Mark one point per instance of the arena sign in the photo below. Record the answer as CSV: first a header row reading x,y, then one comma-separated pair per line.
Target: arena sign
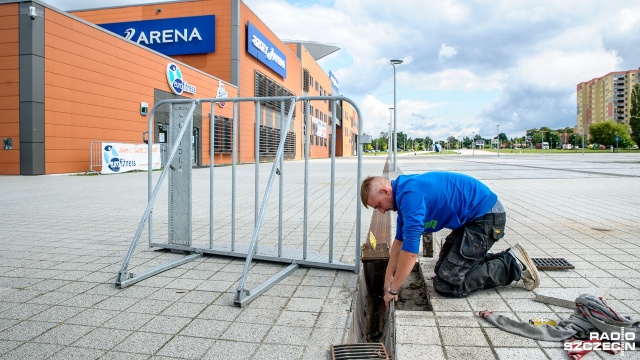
x,y
176,36
262,49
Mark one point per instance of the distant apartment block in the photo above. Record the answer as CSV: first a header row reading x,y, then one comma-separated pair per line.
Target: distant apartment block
x,y
605,98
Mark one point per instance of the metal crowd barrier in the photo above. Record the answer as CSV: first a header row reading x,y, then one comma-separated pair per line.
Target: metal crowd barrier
x,y
95,150
180,214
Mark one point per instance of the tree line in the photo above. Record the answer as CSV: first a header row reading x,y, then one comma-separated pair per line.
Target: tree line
x,y
602,133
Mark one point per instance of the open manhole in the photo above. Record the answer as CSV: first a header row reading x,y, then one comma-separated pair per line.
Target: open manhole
x,y
413,294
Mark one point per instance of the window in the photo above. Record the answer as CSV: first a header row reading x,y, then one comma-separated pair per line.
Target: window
x,y
265,86
223,130
270,139
306,79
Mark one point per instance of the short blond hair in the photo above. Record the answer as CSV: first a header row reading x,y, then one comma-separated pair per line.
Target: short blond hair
x,y
369,186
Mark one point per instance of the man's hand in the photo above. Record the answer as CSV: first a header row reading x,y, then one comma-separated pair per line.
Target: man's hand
x,y
387,299
387,282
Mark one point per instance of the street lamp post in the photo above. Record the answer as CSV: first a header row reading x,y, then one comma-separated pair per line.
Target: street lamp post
x,y
395,129
542,141
473,145
616,140
390,133
498,138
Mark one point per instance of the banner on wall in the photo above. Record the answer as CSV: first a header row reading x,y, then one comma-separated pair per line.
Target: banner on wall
x,y
318,127
121,157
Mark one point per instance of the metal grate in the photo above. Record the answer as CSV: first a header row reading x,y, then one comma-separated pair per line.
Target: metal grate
x,y
552,264
359,351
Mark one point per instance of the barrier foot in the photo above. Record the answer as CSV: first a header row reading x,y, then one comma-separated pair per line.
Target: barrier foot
x,y
243,297
125,279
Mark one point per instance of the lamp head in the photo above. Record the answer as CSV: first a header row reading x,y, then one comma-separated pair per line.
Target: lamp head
x,y
397,62
33,14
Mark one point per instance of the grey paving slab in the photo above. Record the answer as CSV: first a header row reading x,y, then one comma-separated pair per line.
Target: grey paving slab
x,y
186,347
466,352
419,351
32,351
56,278
77,353
566,296
278,352
64,334
557,206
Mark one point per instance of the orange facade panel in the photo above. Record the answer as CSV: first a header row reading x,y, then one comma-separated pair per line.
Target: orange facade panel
x,y
9,89
94,84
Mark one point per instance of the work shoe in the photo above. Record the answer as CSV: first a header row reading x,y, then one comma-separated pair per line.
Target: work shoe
x,y
530,277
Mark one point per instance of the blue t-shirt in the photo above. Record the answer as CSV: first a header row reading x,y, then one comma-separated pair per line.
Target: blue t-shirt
x,y
432,201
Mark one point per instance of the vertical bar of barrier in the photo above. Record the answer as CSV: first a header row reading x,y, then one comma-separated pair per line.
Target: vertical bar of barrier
x,y
257,163
146,217
257,166
233,176
212,125
333,177
150,169
306,176
256,231
281,180
358,181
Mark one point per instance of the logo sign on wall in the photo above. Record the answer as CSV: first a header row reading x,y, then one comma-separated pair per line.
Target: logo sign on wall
x,y
119,157
222,93
262,49
176,82
177,36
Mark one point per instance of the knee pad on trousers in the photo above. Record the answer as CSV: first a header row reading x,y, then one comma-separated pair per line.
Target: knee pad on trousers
x,y
444,288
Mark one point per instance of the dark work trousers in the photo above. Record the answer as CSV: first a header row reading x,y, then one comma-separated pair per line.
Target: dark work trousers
x,y
464,265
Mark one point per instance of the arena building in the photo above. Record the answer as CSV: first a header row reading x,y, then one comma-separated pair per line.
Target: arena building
x,y
75,79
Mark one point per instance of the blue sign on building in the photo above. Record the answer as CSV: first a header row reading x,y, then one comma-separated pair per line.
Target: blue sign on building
x,y
261,48
176,36
335,86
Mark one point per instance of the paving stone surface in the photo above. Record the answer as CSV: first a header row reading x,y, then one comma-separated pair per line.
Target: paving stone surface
x,y
64,238
557,206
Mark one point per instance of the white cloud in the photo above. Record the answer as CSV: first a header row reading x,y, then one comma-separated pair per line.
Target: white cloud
x,y
452,79
556,70
529,54
377,114
446,52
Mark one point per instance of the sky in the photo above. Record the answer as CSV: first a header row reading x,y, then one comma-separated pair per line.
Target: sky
x,y
468,67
